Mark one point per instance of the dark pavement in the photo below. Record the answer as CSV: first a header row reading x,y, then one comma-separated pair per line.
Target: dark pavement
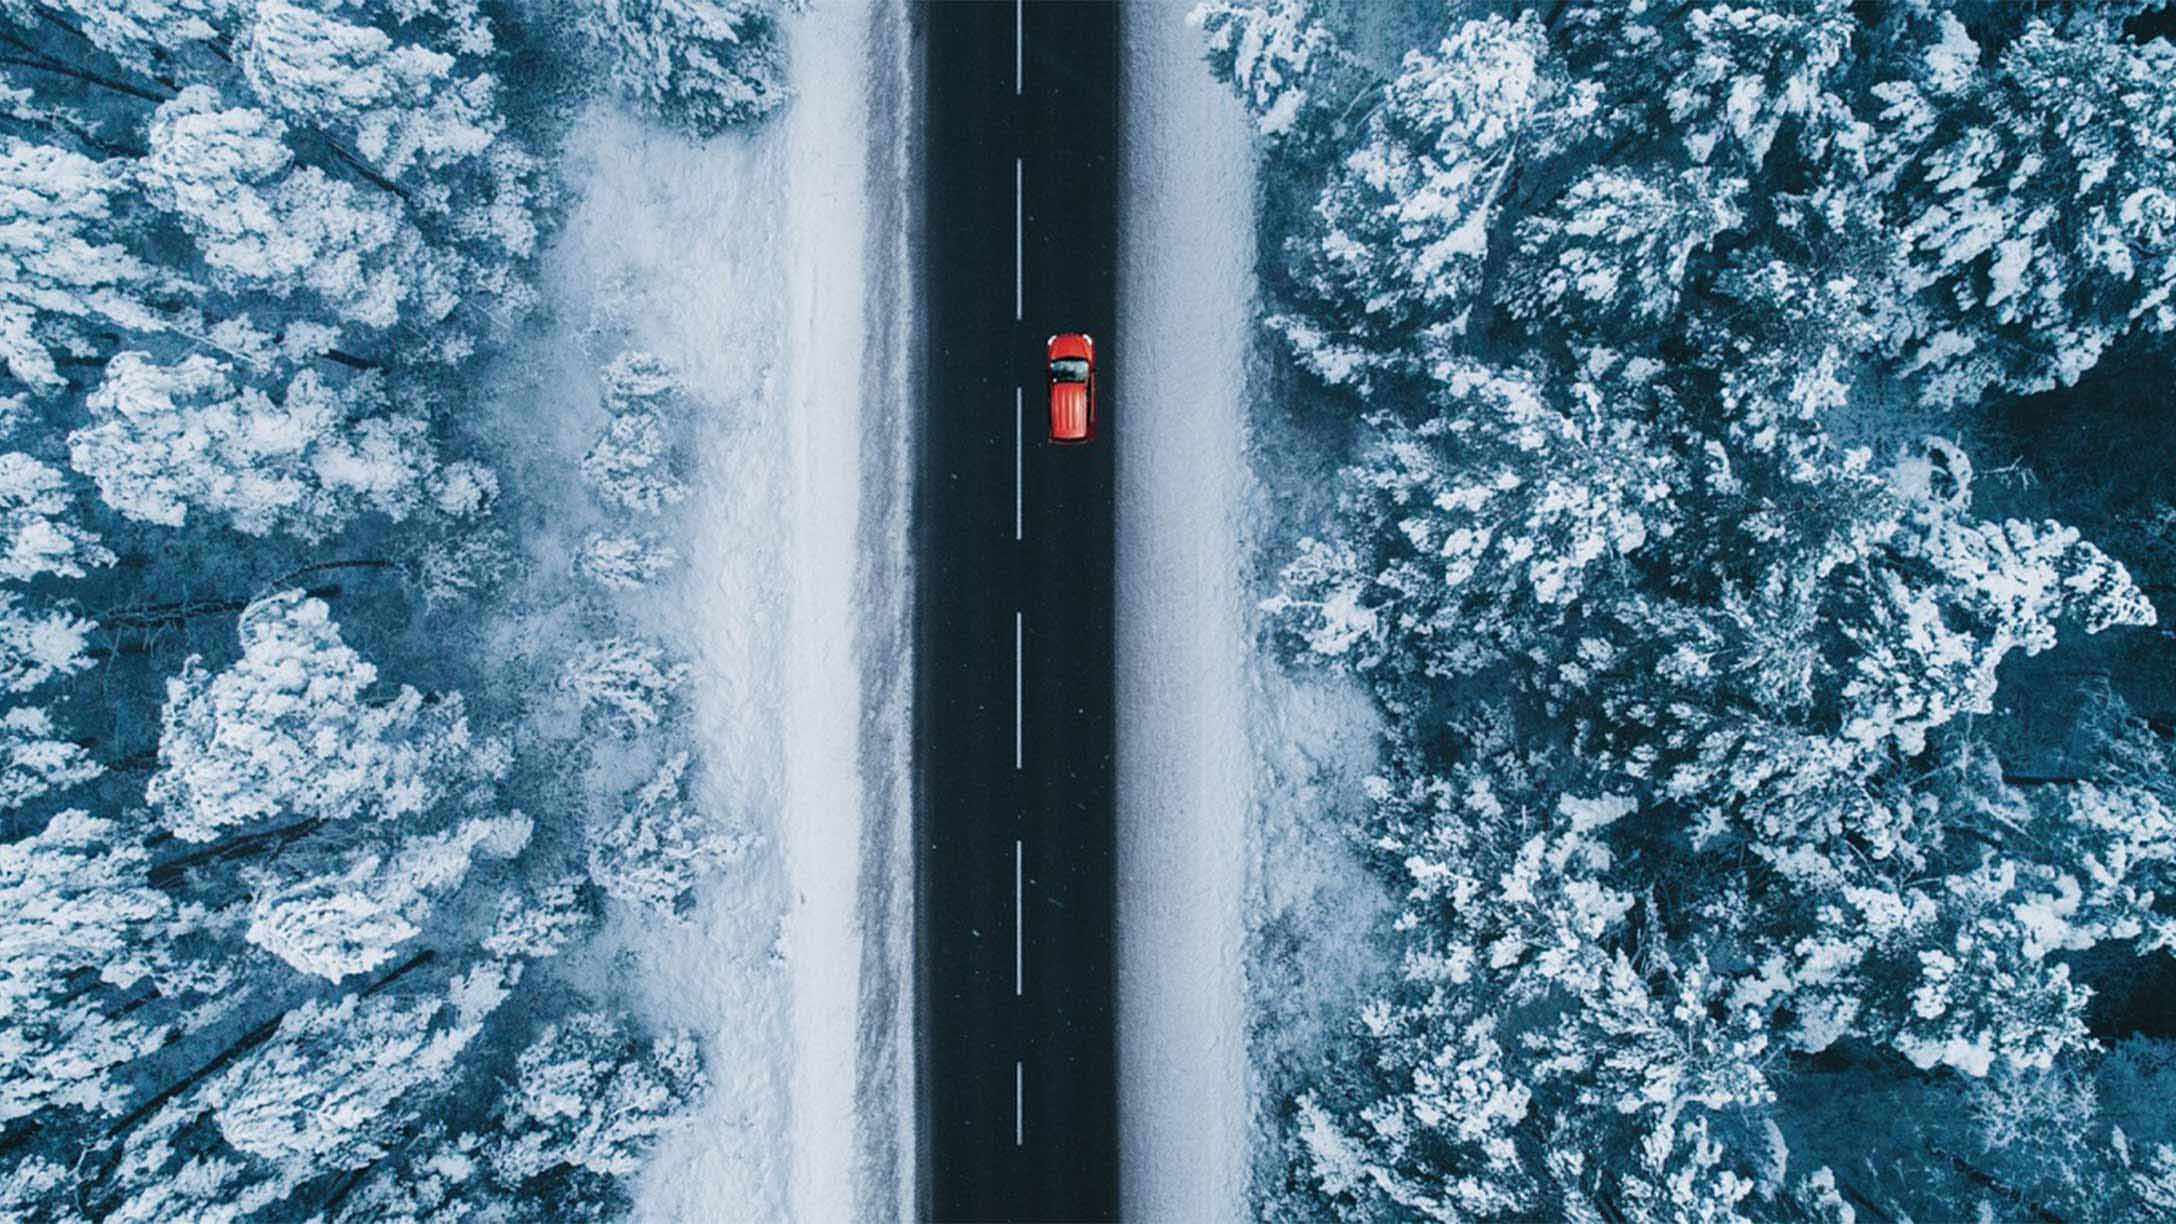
x,y
1014,728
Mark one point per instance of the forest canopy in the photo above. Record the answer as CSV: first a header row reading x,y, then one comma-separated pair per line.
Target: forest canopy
x,y
1683,538
290,847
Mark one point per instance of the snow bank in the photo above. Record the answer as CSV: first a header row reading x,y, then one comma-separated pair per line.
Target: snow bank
x,y
1183,763
749,262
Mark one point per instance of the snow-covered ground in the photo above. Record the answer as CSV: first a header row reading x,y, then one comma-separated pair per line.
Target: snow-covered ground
x,y
753,262
1185,769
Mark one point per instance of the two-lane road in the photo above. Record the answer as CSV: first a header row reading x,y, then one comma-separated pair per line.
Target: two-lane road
x,y
1014,727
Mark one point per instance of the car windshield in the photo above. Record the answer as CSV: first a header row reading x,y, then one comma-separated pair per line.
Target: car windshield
x,y
1069,369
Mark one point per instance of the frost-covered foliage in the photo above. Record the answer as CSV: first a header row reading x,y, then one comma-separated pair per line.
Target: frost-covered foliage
x,y
631,465
701,65
259,908
624,562
82,933
657,846
1402,228
591,1095
626,682
293,731
36,762
170,438
542,922
1284,64
1692,647
35,515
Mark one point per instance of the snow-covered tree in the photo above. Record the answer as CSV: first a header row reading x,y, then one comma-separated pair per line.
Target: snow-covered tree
x,y
37,645
624,562
702,65
631,464
542,921
1402,237
1282,61
38,537
1481,526
640,381
2037,202
293,731
1718,82
342,909
339,1079
590,1094
658,846
264,224
398,105
34,762
1610,257
143,34
632,684
62,274
171,438
462,561
83,941
464,489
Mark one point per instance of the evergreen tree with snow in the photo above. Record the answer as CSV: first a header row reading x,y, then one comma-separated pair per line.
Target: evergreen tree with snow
x,y
89,969
38,645
700,65
656,848
39,523
1281,60
2035,201
624,562
34,761
590,1094
625,682
630,466
168,439
293,731
1395,258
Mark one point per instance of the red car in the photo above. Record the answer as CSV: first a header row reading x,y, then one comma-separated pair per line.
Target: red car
x,y
1072,386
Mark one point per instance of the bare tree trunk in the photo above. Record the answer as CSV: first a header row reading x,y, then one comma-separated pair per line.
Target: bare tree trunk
x,y
249,1041
169,872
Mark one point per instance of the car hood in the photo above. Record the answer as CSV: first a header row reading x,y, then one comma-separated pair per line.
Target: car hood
x,y
1068,409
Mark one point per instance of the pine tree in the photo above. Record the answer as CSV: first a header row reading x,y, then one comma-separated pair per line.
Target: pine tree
x,y
339,1079
630,684
39,645
338,906
701,65
35,514
624,562
62,275
1403,230
290,732
171,438
34,762
540,922
590,1094
630,466
84,942
2037,206
1281,60
656,848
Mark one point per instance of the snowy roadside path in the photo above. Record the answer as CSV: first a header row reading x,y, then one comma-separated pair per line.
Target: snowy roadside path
x,y
847,934
771,268
1185,769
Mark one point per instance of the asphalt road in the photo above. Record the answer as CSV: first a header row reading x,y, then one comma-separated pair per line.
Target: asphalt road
x,y
1014,710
